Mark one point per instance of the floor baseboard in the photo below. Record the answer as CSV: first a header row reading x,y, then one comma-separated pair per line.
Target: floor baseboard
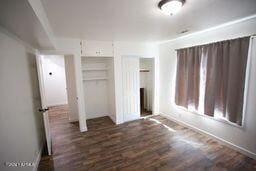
x,y
222,141
38,157
113,118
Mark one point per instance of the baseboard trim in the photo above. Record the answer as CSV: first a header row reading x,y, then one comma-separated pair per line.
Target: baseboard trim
x,y
38,157
221,140
83,129
112,118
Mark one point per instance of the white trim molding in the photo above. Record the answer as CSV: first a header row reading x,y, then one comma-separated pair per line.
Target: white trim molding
x,y
39,11
38,157
211,29
27,46
220,140
83,129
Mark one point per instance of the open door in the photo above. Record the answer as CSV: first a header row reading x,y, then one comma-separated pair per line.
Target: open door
x,y
44,108
131,88
71,88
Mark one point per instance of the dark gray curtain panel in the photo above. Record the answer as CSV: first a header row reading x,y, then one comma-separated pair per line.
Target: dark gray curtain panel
x,y
213,76
187,78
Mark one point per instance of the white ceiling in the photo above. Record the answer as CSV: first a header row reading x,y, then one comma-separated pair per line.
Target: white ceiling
x,y
18,17
139,20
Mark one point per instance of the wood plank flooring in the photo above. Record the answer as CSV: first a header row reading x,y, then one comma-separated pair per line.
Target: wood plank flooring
x,y
154,143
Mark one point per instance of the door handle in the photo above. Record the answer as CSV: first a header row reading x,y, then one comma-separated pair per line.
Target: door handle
x,y
43,110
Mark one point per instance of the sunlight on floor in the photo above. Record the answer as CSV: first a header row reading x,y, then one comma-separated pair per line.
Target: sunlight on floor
x,y
157,121
192,143
180,138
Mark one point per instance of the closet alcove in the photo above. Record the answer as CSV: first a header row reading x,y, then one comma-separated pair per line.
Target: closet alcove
x,y
99,87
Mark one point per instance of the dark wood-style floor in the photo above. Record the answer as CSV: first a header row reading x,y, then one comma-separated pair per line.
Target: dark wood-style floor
x,y
154,143
144,113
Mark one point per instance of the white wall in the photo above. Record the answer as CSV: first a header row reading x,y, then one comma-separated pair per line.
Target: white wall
x,y
55,84
147,81
111,91
21,128
245,138
98,94
96,98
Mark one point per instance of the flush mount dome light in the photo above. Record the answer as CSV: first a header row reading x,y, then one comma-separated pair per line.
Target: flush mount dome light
x,y
170,7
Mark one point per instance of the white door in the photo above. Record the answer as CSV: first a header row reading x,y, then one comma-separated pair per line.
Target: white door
x,y
131,88
44,108
71,88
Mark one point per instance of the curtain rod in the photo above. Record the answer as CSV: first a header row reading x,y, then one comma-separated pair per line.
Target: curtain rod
x,y
251,36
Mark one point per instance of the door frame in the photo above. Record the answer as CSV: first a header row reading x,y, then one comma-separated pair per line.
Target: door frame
x,y
79,89
153,84
154,81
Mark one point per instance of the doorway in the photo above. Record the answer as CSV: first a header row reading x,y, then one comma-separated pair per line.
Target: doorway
x,y
146,86
59,82
138,88
58,91
54,80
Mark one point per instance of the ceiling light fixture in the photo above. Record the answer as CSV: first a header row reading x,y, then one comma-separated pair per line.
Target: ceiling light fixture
x,y
171,7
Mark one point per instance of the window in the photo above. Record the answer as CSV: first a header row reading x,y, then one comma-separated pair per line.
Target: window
x,y
210,79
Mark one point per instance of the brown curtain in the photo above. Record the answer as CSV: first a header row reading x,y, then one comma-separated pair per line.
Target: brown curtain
x,y
223,65
188,75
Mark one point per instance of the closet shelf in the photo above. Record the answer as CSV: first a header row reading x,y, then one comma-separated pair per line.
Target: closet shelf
x,y
95,79
94,69
144,70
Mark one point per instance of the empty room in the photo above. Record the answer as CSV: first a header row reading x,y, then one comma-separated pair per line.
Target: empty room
x,y
166,85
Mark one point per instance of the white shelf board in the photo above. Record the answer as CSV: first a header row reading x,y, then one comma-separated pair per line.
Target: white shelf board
x,y
95,79
96,56
94,69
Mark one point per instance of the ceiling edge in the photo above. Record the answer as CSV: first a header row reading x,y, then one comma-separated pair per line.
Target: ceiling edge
x,y
39,11
210,29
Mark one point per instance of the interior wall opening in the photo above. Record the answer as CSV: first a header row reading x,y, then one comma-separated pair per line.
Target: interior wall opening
x,y
58,75
54,80
146,86
58,91
99,88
